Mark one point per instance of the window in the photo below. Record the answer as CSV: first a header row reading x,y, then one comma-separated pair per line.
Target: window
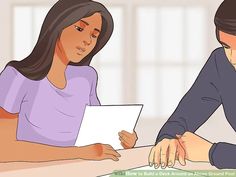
x,y
26,31
170,51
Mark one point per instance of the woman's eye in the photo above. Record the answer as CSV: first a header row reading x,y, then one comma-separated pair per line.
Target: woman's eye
x,y
227,47
78,28
93,36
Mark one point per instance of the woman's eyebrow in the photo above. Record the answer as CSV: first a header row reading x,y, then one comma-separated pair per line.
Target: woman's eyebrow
x,y
97,30
85,22
88,24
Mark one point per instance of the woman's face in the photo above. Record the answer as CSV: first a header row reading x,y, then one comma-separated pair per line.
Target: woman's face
x,y
79,39
227,40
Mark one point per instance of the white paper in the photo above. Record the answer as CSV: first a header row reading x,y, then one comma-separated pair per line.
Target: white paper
x,y
101,124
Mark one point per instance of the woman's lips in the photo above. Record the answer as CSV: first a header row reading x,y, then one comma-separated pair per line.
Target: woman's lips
x,y
80,50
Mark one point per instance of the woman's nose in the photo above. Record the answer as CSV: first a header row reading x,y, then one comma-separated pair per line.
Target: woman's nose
x,y
87,41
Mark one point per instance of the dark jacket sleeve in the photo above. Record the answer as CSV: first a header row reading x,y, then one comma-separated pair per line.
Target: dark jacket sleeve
x,y
197,105
222,155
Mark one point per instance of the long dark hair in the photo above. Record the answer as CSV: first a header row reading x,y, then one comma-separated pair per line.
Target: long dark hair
x,y
225,18
63,14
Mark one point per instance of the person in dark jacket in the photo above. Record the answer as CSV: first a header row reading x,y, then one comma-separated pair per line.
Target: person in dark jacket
x,y
214,86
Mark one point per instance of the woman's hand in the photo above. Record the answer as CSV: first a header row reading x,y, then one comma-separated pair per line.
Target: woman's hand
x,y
98,152
127,140
196,147
166,152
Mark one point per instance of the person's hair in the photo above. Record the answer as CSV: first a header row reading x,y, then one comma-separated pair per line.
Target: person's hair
x,y
63,14
225,18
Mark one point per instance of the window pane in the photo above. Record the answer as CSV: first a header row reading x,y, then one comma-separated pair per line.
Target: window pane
x,y
110,85
22,32
147,33
171,85
196,34
148,89
171,24
112,52
26,32
39,13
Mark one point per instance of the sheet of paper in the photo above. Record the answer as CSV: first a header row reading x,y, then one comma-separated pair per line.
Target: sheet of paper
x,y
101,124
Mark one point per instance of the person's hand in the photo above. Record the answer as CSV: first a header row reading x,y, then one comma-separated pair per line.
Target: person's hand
x,y
196,147
127,140
166,152
98,152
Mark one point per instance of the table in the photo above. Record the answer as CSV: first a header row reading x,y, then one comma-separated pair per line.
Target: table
x,y
132,158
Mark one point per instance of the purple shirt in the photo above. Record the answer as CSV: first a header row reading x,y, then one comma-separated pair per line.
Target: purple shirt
x,y
47,114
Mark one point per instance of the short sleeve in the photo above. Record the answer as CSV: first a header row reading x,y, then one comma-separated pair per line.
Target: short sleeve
x,y
11,89
94,101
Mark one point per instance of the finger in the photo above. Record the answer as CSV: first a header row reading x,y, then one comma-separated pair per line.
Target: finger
x,y
135,136
181,155
109,156
151,156
164,153
126,137
112,152
124,145
182,159
129,139
108,146
127,145
125,132
123,140
128,134
181,144
157,156
172,154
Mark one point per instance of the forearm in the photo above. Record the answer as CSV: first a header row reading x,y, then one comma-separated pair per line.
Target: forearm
x,y
13,150
33,152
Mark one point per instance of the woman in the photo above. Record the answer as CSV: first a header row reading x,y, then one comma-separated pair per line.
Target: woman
x,y
49,89
215,85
